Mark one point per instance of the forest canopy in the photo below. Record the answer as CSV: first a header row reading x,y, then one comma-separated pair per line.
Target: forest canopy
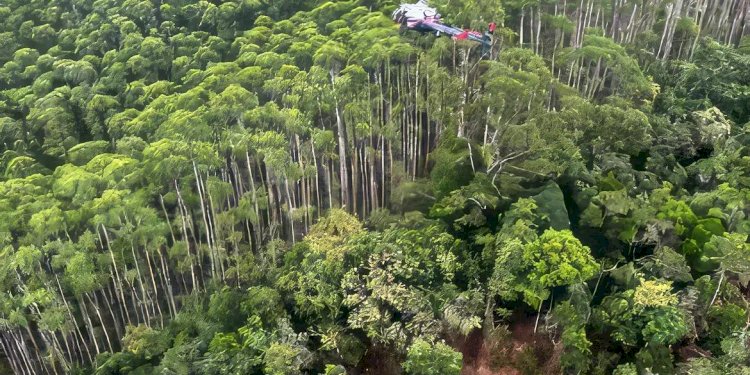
x,y
307,187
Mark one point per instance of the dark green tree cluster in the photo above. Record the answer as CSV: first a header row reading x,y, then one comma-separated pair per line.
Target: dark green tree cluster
x,y
288,187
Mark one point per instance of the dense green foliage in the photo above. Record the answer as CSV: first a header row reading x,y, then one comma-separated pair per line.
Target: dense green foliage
x,y
288,187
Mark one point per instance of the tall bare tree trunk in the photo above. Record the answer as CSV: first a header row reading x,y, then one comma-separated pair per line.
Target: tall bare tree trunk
x,y
204,216
341,129
665,47
184,215
520,28
318,203
117,280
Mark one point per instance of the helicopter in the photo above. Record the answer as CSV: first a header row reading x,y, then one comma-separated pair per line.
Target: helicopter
x,y
423,18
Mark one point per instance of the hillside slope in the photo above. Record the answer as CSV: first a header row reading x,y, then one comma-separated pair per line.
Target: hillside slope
x,y
285,187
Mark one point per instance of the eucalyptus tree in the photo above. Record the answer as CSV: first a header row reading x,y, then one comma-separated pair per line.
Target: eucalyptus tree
x,y
330,57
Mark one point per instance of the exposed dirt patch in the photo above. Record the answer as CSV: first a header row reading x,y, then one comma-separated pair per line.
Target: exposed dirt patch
x,y
379,361
515,352
688,352
511,350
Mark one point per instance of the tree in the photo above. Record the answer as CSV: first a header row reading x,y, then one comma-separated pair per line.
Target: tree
x,y
556,258
577,348
282,359
649,313
424,358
